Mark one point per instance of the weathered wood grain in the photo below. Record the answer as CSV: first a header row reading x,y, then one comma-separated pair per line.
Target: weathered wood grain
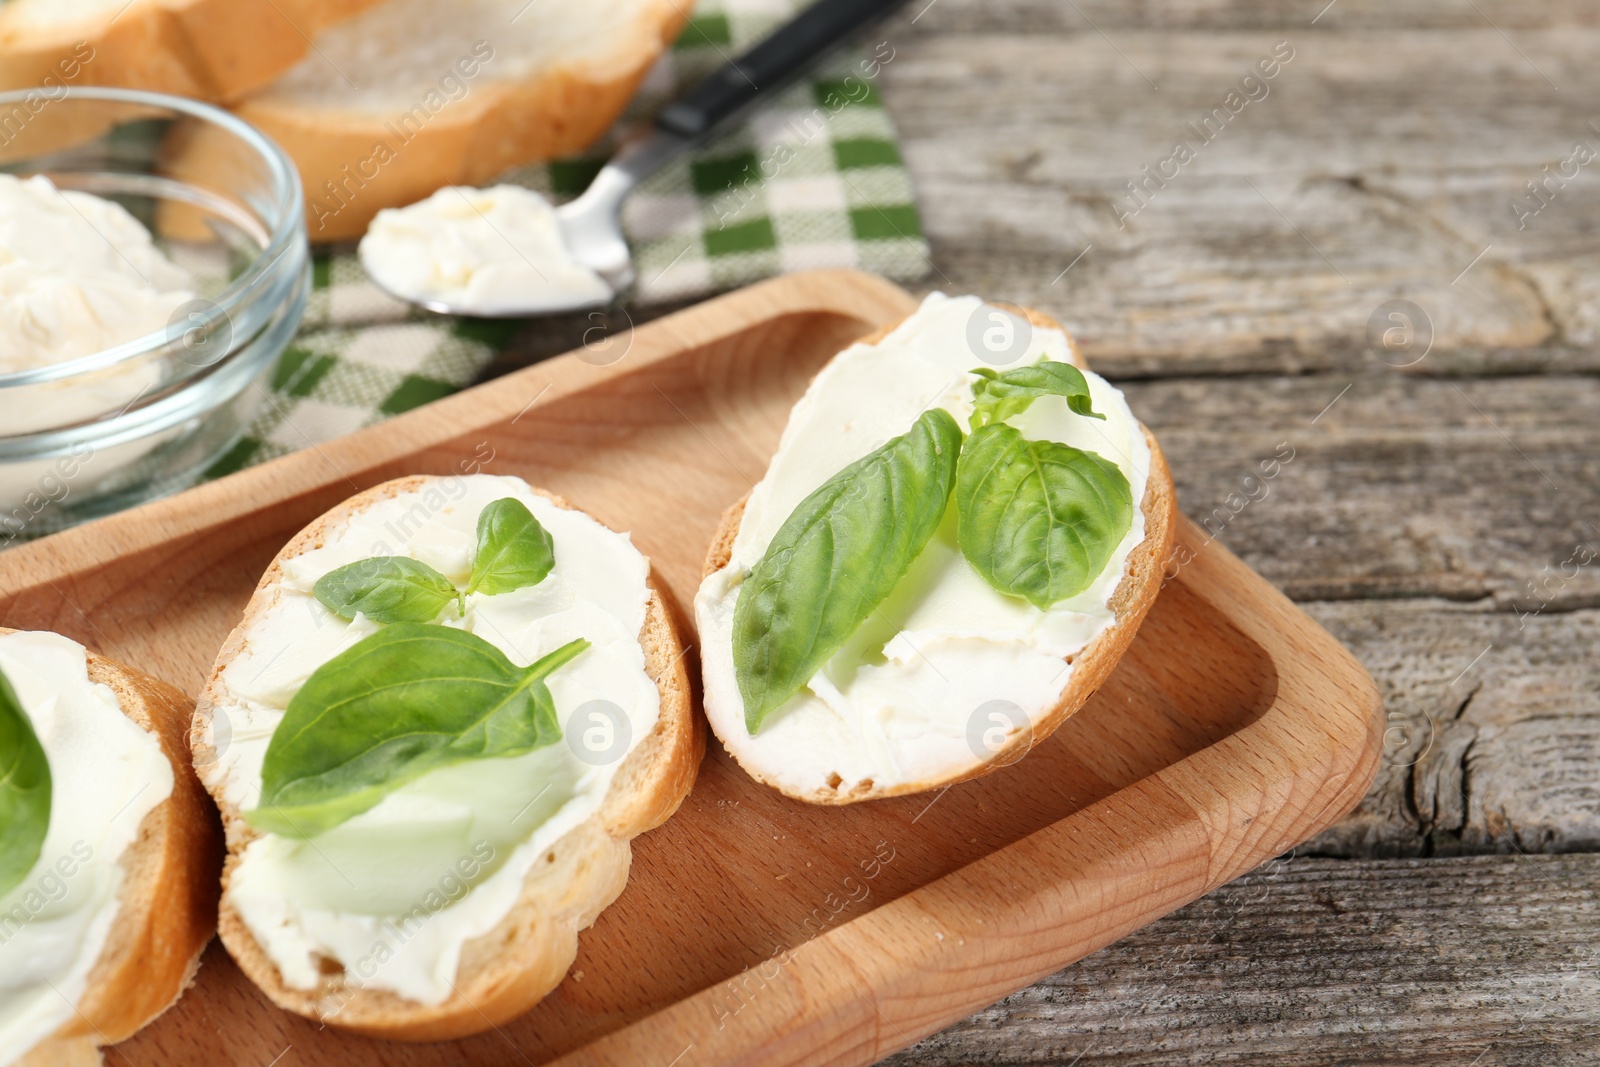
x,y
1084,16
1393,486
1493,729
1379,164
1322,963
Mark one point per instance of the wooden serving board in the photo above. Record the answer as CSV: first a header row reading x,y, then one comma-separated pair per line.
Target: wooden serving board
x,y
755,928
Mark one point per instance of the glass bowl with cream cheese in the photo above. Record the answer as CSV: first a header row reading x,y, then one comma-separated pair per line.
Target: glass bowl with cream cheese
x,y
146,293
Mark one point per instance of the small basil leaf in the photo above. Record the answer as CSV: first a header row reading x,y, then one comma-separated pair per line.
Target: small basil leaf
x,y
24,791
402,702
1038,520
836,558
386,589
997,397
514,551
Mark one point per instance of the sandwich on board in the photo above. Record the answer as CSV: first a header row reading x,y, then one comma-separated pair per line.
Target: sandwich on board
x,y
109,851
451,704
956,541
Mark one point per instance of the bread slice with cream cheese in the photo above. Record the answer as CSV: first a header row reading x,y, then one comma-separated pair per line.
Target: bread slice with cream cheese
x,y
937,698
162,911
415,95
217,50
484,945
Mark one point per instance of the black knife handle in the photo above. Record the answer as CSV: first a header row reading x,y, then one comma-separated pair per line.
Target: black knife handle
x,y
770,65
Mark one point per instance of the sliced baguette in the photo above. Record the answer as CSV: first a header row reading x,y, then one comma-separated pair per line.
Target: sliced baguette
x,y
168,899
216,50
1131,601
505,972
384,112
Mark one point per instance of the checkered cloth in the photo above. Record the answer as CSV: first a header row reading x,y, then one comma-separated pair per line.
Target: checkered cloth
x,y
813,179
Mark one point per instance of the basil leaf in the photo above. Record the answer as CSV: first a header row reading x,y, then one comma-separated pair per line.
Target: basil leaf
x,y
402,702
386,589
24,791
997,397
1038,520
836,558
514,551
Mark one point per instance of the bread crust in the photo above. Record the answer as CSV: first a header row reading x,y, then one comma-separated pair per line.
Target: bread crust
x,y
167,908
1141,581
503,124
217,50
510,969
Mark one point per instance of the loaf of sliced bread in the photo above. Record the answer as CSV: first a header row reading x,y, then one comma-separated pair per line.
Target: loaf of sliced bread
x,y
524,953
975,744
167,900
216,50
414,95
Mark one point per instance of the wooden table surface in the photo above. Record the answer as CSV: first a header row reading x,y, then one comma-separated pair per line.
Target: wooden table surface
x,y
1440,514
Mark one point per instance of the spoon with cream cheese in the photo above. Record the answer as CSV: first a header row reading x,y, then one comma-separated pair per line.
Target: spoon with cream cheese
x,y
507,252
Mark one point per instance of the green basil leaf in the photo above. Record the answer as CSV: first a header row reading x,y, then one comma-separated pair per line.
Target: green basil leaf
x,y
514,551
401,702
24,791
1038,520
836,558
386,589
997,397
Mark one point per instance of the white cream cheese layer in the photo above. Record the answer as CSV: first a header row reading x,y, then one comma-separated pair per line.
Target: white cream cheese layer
x,y
394,894
78,275
107,773
905,700
482,251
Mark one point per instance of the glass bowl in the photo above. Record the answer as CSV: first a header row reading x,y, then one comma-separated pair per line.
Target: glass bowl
x,y
146,418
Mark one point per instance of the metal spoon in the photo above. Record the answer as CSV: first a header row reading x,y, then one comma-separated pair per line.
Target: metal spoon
x,y
592,224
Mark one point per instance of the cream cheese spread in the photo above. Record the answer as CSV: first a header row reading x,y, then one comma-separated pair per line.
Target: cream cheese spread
x,y
479,251
899,704
107,774
78,275
394,894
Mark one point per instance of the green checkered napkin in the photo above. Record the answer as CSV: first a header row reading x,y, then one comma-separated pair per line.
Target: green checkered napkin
x,y
813,179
